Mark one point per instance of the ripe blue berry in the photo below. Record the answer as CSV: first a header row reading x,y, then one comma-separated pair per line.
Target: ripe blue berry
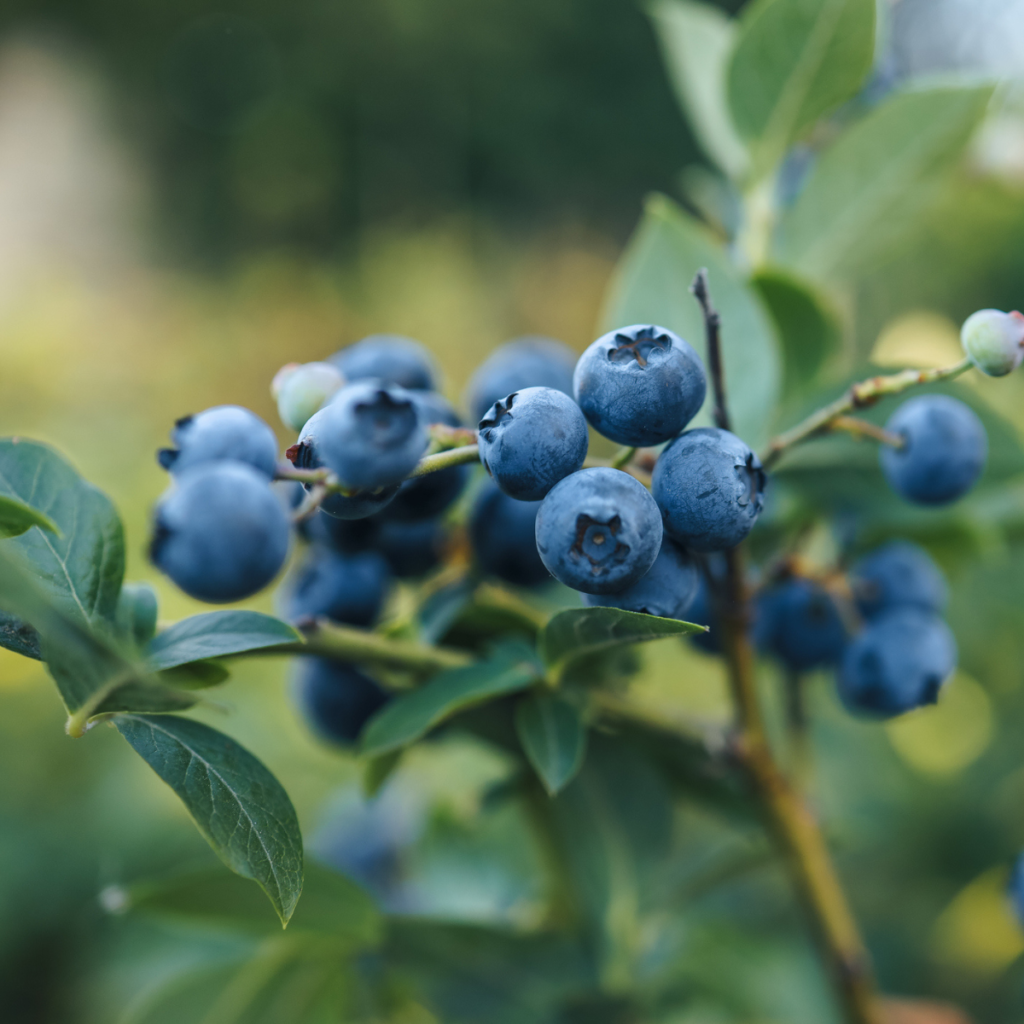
x,y
799,623
390,358
531,440
639,385
668,589
502,532
301,390
598,531
221,532
899,573
411,549
898,663
344,588
994,341
530,362
370,436
943,454
336,699
223,432
710,488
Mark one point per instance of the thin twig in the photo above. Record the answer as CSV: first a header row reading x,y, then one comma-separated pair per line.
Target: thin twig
x,y
862,428
712,331
622,458
858,396
444,460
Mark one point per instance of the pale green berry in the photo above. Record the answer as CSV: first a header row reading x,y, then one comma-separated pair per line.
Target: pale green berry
x,y
302,390
994,341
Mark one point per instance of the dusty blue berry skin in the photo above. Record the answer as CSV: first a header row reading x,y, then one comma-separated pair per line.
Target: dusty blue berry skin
x,y
668,588
411,549
899,573
427,496
528,362
944,451
223,432
598,531
639,385
798,622
347,536
531,440
343,588
221,532
898,663
502,532
710,488
336,699
388,357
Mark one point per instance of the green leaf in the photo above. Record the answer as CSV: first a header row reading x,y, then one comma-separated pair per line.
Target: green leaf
x,y
216,635
378,770
331,905
652,285
136,613
794,62
196,675
19,637
806,324
553,736
84,565
578,632
408,717
17,518
878,182
238,806
696,40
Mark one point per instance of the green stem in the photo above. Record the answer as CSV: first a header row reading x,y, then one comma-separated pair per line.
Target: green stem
x,y
622,458
858,396
443,460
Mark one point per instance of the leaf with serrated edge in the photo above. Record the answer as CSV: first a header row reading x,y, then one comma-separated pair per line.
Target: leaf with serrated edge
x,y
553,736
239,807
652,285
216,635
408,717
577,632
17,518
795,61
84,566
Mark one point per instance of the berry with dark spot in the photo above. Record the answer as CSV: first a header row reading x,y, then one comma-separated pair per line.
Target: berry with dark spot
x,y
668,589
390,358
502,532
225,432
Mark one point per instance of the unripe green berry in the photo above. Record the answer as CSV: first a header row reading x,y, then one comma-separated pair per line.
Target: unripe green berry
x,y
994,341
302,390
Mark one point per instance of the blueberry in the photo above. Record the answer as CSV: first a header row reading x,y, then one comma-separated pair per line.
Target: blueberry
x,y
668,589
348,536
220,532
639,385
428,496
531,440
994,341
527,362
502,532
388,357
336,699
344,588
223,432
301,390
943,453
1015,889
710,488
411,549
899,662
900,573
598,531
798,621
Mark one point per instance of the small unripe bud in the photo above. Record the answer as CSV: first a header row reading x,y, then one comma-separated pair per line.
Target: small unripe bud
x,y
301,390
994,341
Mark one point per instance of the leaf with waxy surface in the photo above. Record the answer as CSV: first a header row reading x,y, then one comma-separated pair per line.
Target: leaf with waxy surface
x,y
878,182
553,736
795,61
696,41
238,806
409,716
578,632
17,518
216,635
652,285
136,614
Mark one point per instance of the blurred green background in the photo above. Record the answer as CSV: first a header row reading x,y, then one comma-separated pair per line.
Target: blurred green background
x,y
192,195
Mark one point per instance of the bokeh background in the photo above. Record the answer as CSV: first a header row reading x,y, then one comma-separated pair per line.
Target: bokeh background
x,y
192,194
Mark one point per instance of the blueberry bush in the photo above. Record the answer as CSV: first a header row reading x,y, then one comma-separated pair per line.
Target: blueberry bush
x,y
761,509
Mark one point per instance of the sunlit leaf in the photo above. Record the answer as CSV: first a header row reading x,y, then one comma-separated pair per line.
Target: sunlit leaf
x,y
216,635
17,518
